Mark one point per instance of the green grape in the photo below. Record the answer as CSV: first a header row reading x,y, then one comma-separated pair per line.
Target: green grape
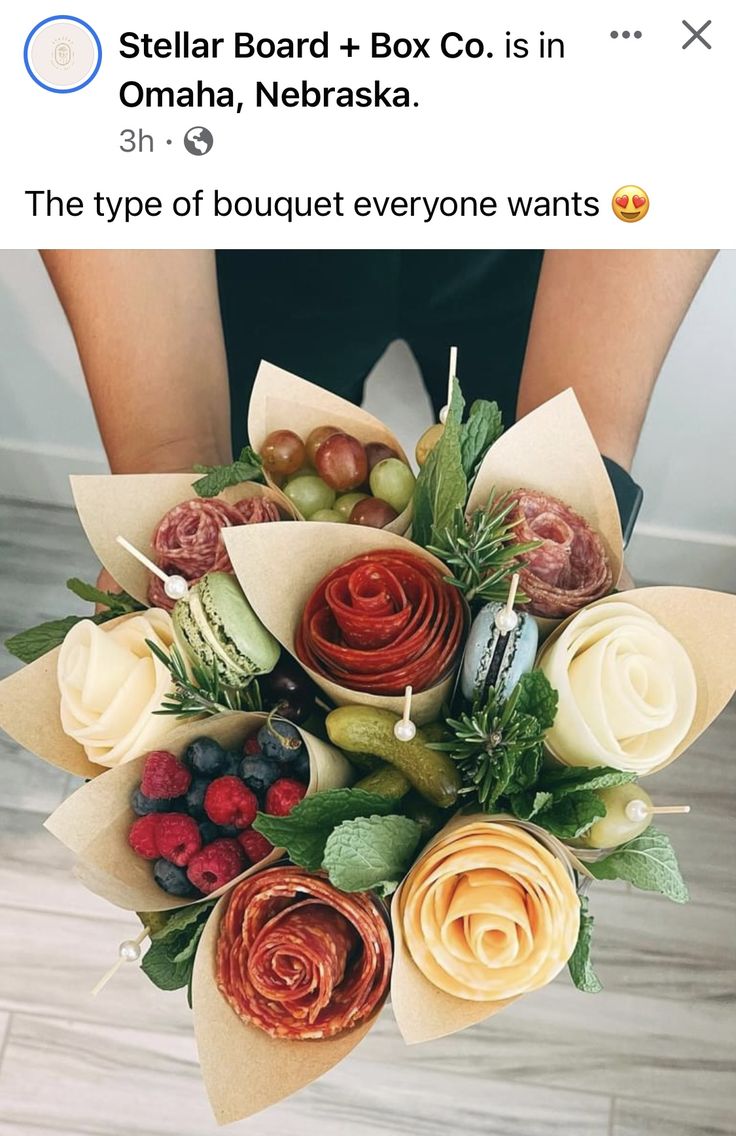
x,y
347,503
617,827
310,494
329,515
392,481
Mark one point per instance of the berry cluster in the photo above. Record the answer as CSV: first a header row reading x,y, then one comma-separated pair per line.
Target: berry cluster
x,y
194,816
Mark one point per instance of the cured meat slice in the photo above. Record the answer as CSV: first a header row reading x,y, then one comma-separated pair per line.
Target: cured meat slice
x,y
188,539
381,622
299,959
570,568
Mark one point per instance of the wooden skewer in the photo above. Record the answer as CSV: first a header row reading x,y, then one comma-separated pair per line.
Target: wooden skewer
x,y
638,810
450,378
405,730
176,587
668,809
507,619
129,951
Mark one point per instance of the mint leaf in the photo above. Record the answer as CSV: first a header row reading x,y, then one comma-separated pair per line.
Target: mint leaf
x,y
572,816
562,782
248,467
538,698
483,427
648,862
163,971
169,961
179,919
119,602
441,486
527,805
579,964
37,641
304,832
371,853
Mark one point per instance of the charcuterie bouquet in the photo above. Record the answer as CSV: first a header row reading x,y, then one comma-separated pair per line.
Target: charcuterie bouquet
x,y
351,734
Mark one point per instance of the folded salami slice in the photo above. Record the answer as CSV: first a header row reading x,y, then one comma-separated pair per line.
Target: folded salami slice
x,y
570,568
381,622
300,959
188,539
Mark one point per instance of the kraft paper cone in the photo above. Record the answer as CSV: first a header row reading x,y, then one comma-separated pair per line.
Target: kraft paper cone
x,y
131,505
704,622
94,822
422,1011
244,1069
553,451
279,566
29,712
282,401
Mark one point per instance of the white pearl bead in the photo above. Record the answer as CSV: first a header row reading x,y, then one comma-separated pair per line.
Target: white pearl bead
x,y
443,414
637,811
129,951
405,731
506,621
176,587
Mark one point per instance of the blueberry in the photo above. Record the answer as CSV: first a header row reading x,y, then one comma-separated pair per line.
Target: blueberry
x,y
232,763
259,773
173,880
209,831
205,757
142,805
228,830
195,796
280,741
300,767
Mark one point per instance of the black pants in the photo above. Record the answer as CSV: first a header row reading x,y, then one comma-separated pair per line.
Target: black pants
x,y
329,315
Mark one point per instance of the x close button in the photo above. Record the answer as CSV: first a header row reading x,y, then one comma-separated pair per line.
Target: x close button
x,y
697,35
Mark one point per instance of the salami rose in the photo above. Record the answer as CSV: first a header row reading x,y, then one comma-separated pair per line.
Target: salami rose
x,y
300,959
188,539
570,568
381,622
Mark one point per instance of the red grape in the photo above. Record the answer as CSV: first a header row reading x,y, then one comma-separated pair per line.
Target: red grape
x,y
317,437
377,452
374,512
283,452
341,462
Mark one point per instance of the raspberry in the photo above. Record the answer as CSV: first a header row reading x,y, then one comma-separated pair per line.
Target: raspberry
x,y
251,746
255,846
283,796
142,836
164,776
216,865
228,801
178,838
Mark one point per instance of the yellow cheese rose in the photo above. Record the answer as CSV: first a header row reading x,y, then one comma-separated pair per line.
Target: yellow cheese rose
x,y
627,690
488,912
111,684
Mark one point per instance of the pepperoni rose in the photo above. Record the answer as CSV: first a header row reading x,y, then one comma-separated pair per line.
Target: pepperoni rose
x,y
570,568
188,539
300,959
381,622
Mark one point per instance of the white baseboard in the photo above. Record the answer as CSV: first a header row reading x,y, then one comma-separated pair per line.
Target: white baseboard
x,y
40,473
663,555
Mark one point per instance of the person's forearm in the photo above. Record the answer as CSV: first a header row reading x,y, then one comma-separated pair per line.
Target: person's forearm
x,y
148,330
603,323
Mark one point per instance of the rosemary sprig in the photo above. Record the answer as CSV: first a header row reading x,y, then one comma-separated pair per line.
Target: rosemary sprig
x,y
481,551
203,692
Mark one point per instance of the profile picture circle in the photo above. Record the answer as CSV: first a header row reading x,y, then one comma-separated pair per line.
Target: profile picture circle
x,y
62,54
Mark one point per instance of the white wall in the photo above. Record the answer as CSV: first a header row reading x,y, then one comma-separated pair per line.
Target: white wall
x,y
686,461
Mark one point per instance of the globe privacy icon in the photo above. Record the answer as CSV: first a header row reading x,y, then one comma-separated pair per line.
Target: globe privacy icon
x,y
62,54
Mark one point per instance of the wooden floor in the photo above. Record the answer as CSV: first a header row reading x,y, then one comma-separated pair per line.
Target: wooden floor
x,y
655,1053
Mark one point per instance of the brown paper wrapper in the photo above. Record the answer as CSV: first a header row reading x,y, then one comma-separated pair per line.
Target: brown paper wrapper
x,y
94,822
279,566
422,1011
553,451
705,624
131,505
29,712
246,1070
282,401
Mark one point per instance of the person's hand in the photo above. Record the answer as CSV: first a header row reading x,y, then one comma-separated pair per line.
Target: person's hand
x,y
106,583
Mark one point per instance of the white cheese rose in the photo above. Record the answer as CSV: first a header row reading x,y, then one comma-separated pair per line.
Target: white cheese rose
x,y
111,684
489,913
627,690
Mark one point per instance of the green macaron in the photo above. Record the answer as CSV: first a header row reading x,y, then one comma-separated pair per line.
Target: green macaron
x,y
215,625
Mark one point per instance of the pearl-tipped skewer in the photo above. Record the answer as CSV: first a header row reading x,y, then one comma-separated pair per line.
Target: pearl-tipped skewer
x,y
451,377
405,730
176,587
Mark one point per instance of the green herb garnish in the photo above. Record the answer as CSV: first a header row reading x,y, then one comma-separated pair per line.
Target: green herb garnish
x,y
199,689
481,551
566,801
169,961
248,467
579,964
484,426
371,853
442,486
498,745
648,862
305,831
37,641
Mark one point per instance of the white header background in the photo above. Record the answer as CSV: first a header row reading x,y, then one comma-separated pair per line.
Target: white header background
x,y
613,112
